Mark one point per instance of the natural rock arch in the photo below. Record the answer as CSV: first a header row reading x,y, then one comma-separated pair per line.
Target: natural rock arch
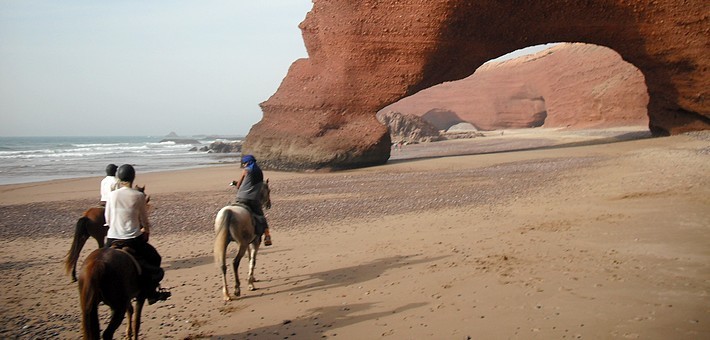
x,y
568,85
365,55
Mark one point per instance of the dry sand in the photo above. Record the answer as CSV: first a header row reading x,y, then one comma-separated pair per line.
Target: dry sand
x,y
585,235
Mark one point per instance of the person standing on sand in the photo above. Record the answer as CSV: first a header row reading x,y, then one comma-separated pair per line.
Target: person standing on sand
x,y
108,183
248,187
127,219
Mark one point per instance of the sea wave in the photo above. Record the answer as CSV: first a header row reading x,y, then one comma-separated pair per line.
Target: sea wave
x,y
31,159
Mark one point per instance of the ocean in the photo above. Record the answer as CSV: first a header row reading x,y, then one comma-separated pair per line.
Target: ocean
x,y
35,159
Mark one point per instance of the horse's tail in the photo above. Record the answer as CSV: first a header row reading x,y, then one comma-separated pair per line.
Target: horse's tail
x,y
80,237
89,291
221,228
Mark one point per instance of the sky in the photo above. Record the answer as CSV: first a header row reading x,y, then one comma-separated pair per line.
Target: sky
x,y
143,68
130,68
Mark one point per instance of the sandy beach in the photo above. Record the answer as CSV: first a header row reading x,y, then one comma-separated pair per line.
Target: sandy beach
x,y
527,235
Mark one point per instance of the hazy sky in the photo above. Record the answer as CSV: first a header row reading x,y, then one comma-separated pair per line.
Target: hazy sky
x,y
87,68
142,67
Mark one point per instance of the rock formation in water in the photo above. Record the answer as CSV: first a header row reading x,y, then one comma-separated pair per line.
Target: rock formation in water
x,y
568,85
225,147
365,55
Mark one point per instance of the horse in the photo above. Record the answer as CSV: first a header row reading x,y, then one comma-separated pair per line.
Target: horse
x,y
90,224
110,276
234,223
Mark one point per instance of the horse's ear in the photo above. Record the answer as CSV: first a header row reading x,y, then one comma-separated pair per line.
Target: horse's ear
x,y
267,181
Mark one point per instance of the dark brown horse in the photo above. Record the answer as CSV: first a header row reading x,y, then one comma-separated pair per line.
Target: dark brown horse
x,y
110,276
90,224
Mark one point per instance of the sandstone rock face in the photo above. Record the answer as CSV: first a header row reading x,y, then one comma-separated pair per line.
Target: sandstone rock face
x,y
365,55
568,85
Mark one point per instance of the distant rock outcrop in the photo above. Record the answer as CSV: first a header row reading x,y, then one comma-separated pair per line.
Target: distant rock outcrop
x,y
181,141
568,85
408,128
461,131
441,118
173,137
465,126
225,147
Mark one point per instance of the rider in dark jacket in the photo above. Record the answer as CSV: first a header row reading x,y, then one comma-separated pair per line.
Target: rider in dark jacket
x,y
248,186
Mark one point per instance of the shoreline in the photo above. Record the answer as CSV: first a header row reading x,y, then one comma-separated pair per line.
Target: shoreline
x,y
215,174
38,159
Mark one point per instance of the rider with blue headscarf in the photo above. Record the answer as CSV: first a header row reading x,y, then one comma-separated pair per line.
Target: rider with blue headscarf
x,y
248,187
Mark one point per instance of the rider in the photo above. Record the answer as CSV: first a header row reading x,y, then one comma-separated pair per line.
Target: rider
x,y
127,218
248,188
108,183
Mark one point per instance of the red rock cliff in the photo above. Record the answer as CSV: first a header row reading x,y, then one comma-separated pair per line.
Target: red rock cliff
x,y
365,55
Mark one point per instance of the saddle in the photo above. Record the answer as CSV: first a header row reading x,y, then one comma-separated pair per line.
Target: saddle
x,y
259,221
118,245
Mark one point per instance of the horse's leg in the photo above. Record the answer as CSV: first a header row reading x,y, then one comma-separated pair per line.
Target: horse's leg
x,y
129,317
225,285
88,300
220,252
117,315
137,321
235,266
253,249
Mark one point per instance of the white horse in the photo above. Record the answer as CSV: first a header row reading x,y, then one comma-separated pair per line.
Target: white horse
x,y
235,223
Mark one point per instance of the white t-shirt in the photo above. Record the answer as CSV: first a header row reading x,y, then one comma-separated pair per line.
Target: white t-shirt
x,y
107,185
125,213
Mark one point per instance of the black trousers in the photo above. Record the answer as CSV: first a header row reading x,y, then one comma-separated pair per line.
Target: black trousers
x,y
147,256
255,207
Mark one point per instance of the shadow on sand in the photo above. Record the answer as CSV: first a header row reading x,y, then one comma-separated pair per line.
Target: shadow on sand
x,y
317,322
482,146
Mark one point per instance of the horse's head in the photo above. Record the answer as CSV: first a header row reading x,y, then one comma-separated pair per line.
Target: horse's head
x,y
265,195
142,189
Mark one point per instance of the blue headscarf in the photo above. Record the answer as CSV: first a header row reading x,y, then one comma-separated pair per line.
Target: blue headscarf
x,y
254,171
248,160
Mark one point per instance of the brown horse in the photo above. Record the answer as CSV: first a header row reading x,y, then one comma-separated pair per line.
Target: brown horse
x,y
110,276
90,224
234,223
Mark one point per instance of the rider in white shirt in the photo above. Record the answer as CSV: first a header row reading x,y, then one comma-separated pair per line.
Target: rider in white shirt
x,y
127,218
108,183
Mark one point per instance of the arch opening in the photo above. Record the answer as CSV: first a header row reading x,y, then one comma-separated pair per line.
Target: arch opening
x,y
569,87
